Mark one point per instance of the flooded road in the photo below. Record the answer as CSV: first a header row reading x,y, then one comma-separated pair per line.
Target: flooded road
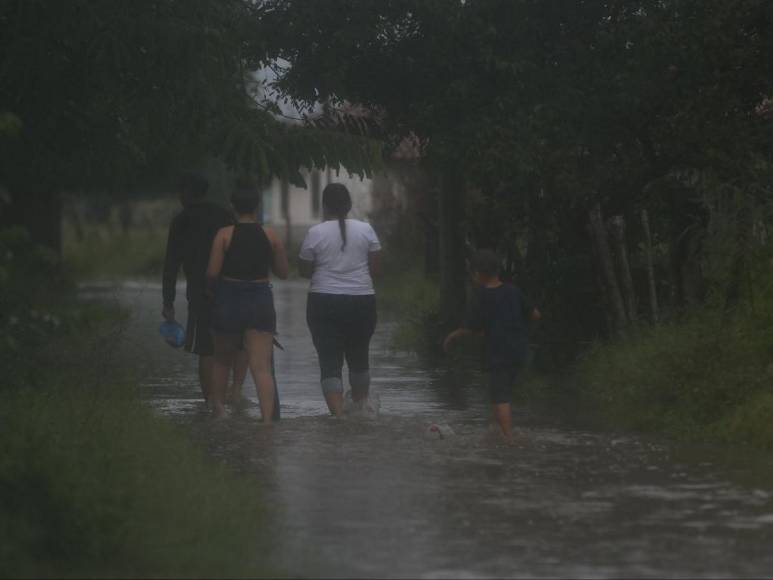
x,y
377,497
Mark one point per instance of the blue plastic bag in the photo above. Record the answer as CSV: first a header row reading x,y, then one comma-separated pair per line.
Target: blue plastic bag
x,y
173,333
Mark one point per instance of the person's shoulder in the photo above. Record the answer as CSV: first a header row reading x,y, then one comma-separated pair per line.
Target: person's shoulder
x,y
225,230
360,223
217,211
512,290
178,218
326,228
363,226
207,210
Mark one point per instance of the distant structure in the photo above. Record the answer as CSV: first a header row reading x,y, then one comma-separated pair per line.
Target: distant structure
x,y
293,210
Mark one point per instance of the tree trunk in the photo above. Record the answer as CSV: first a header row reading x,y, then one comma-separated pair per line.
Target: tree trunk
x,y
430,230
739,270
607,271
617,226
451,249
686,268
536,257
605,300
285,193
645,222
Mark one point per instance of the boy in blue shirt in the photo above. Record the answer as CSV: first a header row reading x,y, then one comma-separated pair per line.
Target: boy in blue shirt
x,y
502,314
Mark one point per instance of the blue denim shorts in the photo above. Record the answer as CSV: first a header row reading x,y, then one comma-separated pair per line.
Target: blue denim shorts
x,y
241,306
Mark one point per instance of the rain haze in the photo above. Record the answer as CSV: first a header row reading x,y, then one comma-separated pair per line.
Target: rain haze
x,y
386,289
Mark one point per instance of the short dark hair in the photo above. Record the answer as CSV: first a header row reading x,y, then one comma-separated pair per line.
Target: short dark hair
x,y
246,197
192,187
486,262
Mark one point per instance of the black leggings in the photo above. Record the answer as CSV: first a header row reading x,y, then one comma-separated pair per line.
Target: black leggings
x,y
341,326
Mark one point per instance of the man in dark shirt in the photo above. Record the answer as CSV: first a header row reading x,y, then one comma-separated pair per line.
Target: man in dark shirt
x,y
502,314
189,243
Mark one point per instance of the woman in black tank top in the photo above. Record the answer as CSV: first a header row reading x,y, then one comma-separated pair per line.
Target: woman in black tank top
x,y
243,311
249,254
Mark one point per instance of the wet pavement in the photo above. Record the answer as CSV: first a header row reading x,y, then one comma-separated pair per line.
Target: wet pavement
x,y
375,497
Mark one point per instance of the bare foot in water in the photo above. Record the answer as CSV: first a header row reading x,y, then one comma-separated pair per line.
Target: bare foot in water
x,y
239,402
495,435
218,411
234,395
517,438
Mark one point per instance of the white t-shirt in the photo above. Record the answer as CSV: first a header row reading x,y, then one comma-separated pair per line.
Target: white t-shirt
x,y
336,271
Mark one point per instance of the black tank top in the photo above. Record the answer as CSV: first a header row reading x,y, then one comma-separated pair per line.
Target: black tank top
x,y
249,255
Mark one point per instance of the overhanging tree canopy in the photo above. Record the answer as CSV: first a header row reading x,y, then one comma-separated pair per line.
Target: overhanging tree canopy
x,y
550,108
108,94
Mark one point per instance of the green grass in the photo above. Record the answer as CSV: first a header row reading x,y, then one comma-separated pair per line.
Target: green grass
x,y
109,253
709,376
415,299
93,484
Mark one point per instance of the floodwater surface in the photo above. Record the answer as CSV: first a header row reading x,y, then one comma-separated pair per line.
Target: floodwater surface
x,y
375,497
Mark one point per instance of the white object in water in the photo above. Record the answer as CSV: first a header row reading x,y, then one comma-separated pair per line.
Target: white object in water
x,y
368,407
439,431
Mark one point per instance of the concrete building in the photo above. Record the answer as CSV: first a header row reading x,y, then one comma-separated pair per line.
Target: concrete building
x,y
293,210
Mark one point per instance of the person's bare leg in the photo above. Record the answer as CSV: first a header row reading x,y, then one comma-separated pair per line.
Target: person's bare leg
x,y
206,365
335,402
360,383
504,417
223,361
238,374
259,347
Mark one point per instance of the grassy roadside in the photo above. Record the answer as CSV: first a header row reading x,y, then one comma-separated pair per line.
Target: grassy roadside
x,y
414,300
92,482
106,253
707,377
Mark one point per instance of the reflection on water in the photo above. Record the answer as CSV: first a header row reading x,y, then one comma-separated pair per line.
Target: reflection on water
x,y
376,497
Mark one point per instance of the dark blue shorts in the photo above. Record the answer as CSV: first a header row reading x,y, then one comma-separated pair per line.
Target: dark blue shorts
x,y
504,369
501,383
241,306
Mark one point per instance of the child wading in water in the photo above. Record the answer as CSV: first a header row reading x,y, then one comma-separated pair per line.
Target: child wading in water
x,y
501,313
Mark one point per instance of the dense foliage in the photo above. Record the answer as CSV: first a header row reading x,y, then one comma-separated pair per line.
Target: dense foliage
x,y
111,96
95,485
537,112
92,483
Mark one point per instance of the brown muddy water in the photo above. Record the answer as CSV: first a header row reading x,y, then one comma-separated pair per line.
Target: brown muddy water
x,y
376,497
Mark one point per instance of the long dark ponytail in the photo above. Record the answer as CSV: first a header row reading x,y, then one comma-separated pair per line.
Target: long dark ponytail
x,y
337,202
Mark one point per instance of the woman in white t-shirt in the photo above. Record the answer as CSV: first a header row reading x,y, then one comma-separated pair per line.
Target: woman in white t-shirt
x,y
341,256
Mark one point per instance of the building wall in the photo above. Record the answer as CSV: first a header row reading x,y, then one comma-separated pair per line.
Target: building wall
x,y
293,210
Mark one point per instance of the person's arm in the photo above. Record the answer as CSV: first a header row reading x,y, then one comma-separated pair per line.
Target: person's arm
x,y
458,333
279,265
528,309
305,268
473,323
306,255
216,258
172,261
375,265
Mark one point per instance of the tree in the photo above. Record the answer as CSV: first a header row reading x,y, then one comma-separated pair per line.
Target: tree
x,y
115,94
553,113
